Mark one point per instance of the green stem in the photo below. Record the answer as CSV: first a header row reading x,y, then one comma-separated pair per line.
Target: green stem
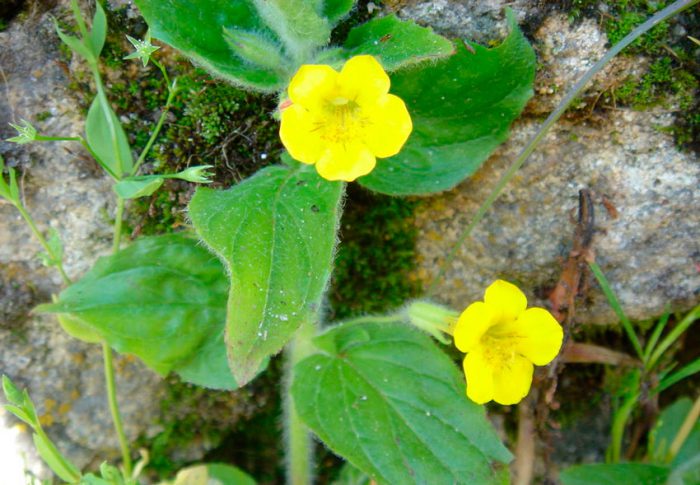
x,y
298,442
109,366
619,424
67,466
57,138
615,304
154,135
114,408
673,335
688,424
658,17
30,222
117,237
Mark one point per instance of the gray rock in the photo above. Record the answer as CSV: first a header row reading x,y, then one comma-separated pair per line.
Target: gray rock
x,y
650,252
481,21
63,190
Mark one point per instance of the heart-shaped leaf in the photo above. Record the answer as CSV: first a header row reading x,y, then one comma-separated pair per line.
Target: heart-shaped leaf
x,y
275,232
162,299
462,108
384,397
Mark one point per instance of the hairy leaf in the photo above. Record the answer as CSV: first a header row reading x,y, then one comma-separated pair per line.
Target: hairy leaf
x,y
396,43
385,398
218,35
462,108
275,232
162,299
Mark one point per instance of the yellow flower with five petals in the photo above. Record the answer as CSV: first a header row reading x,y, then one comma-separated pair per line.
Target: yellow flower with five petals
x,y
342,121
502,340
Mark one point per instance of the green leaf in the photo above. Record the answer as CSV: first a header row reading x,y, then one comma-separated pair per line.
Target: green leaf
x,y
12,393
65,470
667,426
335,10
99,30
385,398
614,474
197,29
212,474
687,473
397,43
677,376
76,45
275,232
162,299
255,48
139,186
20,413
77,328
107,139
462,108
349,475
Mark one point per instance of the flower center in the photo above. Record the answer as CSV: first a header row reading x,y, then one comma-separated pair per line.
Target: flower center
x,y
342,121
498,349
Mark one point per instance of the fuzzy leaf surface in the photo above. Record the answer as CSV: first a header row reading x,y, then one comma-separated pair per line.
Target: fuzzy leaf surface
x,y
397,43
162,299
462,108
385,398
199,30
275,232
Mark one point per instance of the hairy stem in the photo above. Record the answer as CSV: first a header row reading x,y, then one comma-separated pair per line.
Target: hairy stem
x,y
657,18
298,442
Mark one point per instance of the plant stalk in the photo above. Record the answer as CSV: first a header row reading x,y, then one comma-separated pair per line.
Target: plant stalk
x,y
657,18
40,237
114,408
297,439
686,428
117,236
156,130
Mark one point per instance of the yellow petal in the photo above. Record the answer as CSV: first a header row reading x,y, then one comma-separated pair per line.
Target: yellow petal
x,y
345,162
506,298
511,382
299,134
540,335
479,374
363,80
312,85
389,125
472,325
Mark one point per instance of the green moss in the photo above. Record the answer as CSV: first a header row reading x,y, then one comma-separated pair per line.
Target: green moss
x,y
672,77
43,116
376,255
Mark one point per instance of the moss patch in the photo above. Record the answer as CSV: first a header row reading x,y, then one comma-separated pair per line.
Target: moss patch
x,y
376,255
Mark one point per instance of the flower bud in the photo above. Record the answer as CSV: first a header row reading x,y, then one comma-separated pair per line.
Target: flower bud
x,y
26,133
198,174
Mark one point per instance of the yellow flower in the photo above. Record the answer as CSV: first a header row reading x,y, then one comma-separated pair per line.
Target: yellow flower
x,y
502,341
341,121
